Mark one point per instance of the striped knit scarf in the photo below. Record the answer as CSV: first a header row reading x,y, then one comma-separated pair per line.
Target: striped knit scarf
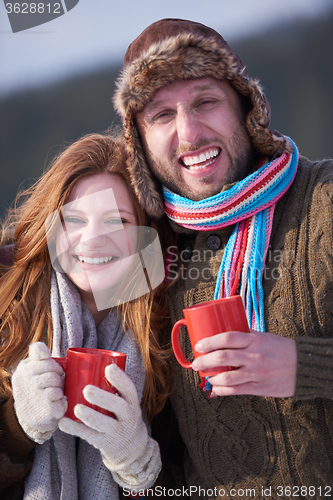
x,y
250,205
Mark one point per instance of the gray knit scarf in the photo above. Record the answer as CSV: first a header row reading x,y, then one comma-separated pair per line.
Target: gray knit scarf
x,y
65,467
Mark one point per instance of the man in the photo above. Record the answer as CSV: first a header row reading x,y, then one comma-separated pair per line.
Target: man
x,y
251,218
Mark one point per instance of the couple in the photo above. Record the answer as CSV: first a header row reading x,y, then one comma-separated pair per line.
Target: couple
x,y
240,201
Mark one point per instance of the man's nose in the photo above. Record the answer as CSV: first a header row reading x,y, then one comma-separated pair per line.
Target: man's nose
x,y
188,127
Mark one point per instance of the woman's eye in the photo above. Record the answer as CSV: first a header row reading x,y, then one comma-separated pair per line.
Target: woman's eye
x,y
73,221
116,221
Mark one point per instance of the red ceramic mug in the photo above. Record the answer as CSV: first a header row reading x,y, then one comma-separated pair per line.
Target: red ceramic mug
x,y
207,319
85,366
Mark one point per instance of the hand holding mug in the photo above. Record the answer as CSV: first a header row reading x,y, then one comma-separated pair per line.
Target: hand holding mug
x,y
266,363
127,451
39,400
208,319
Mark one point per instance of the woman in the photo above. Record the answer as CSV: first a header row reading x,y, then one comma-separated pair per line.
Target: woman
x,y
77,245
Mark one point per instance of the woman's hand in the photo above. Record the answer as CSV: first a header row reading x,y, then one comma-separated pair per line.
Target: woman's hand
x,y
128,452
39,400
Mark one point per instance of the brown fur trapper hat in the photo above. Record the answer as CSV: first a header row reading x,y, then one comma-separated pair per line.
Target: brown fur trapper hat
x,y
176,49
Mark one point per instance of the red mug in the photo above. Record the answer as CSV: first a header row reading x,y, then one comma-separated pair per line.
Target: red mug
x,y
85,366
207,319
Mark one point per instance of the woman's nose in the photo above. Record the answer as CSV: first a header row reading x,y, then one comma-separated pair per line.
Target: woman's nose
x,y
92,236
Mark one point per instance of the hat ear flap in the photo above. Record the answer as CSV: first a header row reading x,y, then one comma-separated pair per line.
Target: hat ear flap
x,y
265,141
147,188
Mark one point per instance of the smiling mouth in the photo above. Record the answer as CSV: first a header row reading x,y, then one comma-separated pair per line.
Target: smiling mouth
x,y
95,260
197,162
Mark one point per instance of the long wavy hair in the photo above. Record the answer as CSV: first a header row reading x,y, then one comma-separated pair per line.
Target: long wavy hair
x,y
25,313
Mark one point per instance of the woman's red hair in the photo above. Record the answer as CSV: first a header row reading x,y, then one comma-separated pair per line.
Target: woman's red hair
x,y
25,286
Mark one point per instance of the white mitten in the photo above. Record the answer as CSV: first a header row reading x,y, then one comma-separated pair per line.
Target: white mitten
x,y
39,400
127,451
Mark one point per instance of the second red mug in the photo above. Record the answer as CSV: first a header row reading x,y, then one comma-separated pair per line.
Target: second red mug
x,y
207,319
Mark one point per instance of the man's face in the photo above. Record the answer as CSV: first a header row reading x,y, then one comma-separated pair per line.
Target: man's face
x,y
194,137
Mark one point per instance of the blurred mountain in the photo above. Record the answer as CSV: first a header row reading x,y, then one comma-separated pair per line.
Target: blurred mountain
x,y
293,62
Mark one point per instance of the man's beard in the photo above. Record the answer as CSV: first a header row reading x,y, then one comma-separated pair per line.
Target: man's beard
x,y
242,159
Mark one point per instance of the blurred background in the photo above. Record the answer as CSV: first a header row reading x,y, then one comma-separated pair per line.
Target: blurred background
x,y
57,79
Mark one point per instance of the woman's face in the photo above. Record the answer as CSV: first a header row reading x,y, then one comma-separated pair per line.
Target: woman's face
x,y
98,238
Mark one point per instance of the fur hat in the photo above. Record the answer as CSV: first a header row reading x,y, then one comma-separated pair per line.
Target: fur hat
x,y
176,49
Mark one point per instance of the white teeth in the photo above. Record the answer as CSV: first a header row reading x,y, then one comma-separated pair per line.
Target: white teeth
x,y
189,161
95,260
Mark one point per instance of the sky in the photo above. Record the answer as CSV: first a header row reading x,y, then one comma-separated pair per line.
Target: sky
x,y
96,33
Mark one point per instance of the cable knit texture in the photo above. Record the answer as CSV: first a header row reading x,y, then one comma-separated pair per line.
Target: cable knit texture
x,y
248,442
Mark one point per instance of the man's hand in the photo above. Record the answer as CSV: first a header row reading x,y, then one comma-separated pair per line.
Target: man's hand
x,y
266,364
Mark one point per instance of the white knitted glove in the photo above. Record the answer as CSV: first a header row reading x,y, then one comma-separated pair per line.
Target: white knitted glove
x,y
39,400
127,451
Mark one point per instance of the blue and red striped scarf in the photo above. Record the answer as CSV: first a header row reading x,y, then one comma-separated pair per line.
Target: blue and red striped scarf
x,y
249,204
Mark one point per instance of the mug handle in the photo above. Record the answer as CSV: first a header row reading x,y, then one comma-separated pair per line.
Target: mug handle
x,y
62,362
180,356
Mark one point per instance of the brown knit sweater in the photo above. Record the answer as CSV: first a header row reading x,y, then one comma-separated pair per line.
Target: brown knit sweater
x,y
268,447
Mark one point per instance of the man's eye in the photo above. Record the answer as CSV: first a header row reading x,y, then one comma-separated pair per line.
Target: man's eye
x,y
207,103
163,117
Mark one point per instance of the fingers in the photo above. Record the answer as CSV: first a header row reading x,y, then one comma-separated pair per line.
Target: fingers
x,y
267,367
230,378
70,426
40,361
122,383
215,359
57,405
95,421
225,340
111,402
46,379
237,390
41,367
38,351
75,428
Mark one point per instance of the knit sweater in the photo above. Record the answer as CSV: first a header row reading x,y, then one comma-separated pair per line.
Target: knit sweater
x,y
267,447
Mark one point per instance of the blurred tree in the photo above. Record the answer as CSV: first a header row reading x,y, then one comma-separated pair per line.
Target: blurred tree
x,y
295,66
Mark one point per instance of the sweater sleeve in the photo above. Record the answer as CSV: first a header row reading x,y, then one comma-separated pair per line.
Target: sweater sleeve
x,y
16,449
314,368
315,344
